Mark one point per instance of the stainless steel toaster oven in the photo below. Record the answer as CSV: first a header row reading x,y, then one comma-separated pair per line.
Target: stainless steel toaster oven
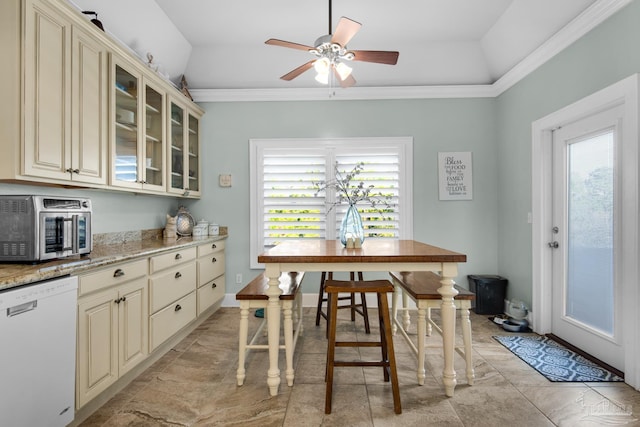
x,y
38,228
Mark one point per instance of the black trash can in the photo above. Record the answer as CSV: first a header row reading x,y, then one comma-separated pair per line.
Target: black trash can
x,y
490,293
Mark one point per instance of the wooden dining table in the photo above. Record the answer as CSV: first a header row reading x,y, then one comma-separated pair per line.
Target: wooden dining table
x,y
380,255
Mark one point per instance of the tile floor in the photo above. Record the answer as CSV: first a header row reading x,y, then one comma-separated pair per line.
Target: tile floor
x,y
194,384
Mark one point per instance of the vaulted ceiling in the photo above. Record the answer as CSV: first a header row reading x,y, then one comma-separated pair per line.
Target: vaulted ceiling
x,y
220,44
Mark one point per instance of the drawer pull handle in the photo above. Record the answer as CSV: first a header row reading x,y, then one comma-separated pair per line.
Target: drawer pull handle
x,y
178,256
213,246
178,308
118,273
178,275
213,285
213,259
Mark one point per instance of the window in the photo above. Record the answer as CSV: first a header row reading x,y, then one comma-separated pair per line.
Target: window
x,y
285,203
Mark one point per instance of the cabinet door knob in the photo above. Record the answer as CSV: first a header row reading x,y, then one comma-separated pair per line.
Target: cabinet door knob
x,y
178,308
118,273
213,259
213,246
178,275
213,285
123,299
118,301
178,256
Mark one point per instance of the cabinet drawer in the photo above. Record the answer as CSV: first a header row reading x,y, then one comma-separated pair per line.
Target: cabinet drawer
x,y
210,293
210,248
160,262
114,275
167,287
210,267
170,320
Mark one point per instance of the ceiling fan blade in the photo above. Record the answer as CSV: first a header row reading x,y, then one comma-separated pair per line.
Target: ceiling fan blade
x,y
378,56
346,29
297,71
347,82
283,43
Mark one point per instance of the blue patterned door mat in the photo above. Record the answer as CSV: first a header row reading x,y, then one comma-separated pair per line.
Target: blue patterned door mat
x,y
554,361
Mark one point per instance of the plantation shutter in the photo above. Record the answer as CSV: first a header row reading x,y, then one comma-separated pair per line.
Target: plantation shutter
x,y
286,203
382,171
291,210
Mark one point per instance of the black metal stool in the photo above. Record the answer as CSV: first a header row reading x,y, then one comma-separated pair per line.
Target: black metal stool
x,y
388,362
355,308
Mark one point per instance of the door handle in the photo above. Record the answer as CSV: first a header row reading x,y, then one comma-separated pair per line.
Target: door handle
x,y
553,244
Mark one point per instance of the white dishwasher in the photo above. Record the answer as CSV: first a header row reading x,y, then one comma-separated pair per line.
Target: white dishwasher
x,y
37,353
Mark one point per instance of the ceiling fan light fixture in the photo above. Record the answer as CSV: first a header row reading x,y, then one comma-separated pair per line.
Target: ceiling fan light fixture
x,y
322,65
322,78
343,70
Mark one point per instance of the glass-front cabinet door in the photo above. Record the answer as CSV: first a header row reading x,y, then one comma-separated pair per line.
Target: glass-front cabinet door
x,y
184,150
139,141
154,142
177,152
194,153
125,149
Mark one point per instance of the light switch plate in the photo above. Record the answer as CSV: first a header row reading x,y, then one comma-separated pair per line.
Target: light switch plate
x,y
224,180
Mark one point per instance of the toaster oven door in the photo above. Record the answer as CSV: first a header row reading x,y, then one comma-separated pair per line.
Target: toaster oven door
x,y
64,234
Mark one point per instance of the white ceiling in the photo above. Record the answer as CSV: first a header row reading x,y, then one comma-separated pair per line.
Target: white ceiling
x,y
220,44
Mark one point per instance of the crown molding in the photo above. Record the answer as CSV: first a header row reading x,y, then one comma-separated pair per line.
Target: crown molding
x,y
354,93
590,18
578,27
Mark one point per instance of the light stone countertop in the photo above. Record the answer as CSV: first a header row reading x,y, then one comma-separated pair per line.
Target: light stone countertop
x,y
103,254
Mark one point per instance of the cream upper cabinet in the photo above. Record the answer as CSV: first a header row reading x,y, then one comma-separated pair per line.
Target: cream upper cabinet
x,y
89,108
65,103
184,149
138,144
80,109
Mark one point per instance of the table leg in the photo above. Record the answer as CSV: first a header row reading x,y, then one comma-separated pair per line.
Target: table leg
x,y
273,325
422,332
394,308
448,313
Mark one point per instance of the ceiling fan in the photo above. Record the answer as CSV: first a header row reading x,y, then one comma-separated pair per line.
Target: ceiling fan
x,y
332,54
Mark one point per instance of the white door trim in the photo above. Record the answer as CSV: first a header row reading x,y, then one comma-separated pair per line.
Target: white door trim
x,y
625,93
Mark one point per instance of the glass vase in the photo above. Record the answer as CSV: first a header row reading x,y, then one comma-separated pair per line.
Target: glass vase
x,y
351,227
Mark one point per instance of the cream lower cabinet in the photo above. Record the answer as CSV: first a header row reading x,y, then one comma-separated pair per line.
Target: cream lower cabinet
x,y
211,278
172,294
112,326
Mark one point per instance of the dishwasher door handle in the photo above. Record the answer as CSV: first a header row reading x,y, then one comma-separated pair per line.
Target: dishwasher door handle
x,y
22,308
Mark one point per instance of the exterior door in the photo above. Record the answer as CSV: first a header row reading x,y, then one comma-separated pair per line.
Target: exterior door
x,y
584,238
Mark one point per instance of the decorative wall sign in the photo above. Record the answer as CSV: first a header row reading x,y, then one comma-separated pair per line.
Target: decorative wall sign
x,y
455,176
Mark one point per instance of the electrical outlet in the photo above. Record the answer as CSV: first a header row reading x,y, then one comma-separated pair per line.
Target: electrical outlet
x,y
239,279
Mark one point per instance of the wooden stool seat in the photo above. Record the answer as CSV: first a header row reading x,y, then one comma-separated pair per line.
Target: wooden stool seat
x,y
360,309
422,288
388,362
254,296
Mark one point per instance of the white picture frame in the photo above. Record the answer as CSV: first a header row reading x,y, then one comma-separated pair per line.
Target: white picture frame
x,y
455,175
